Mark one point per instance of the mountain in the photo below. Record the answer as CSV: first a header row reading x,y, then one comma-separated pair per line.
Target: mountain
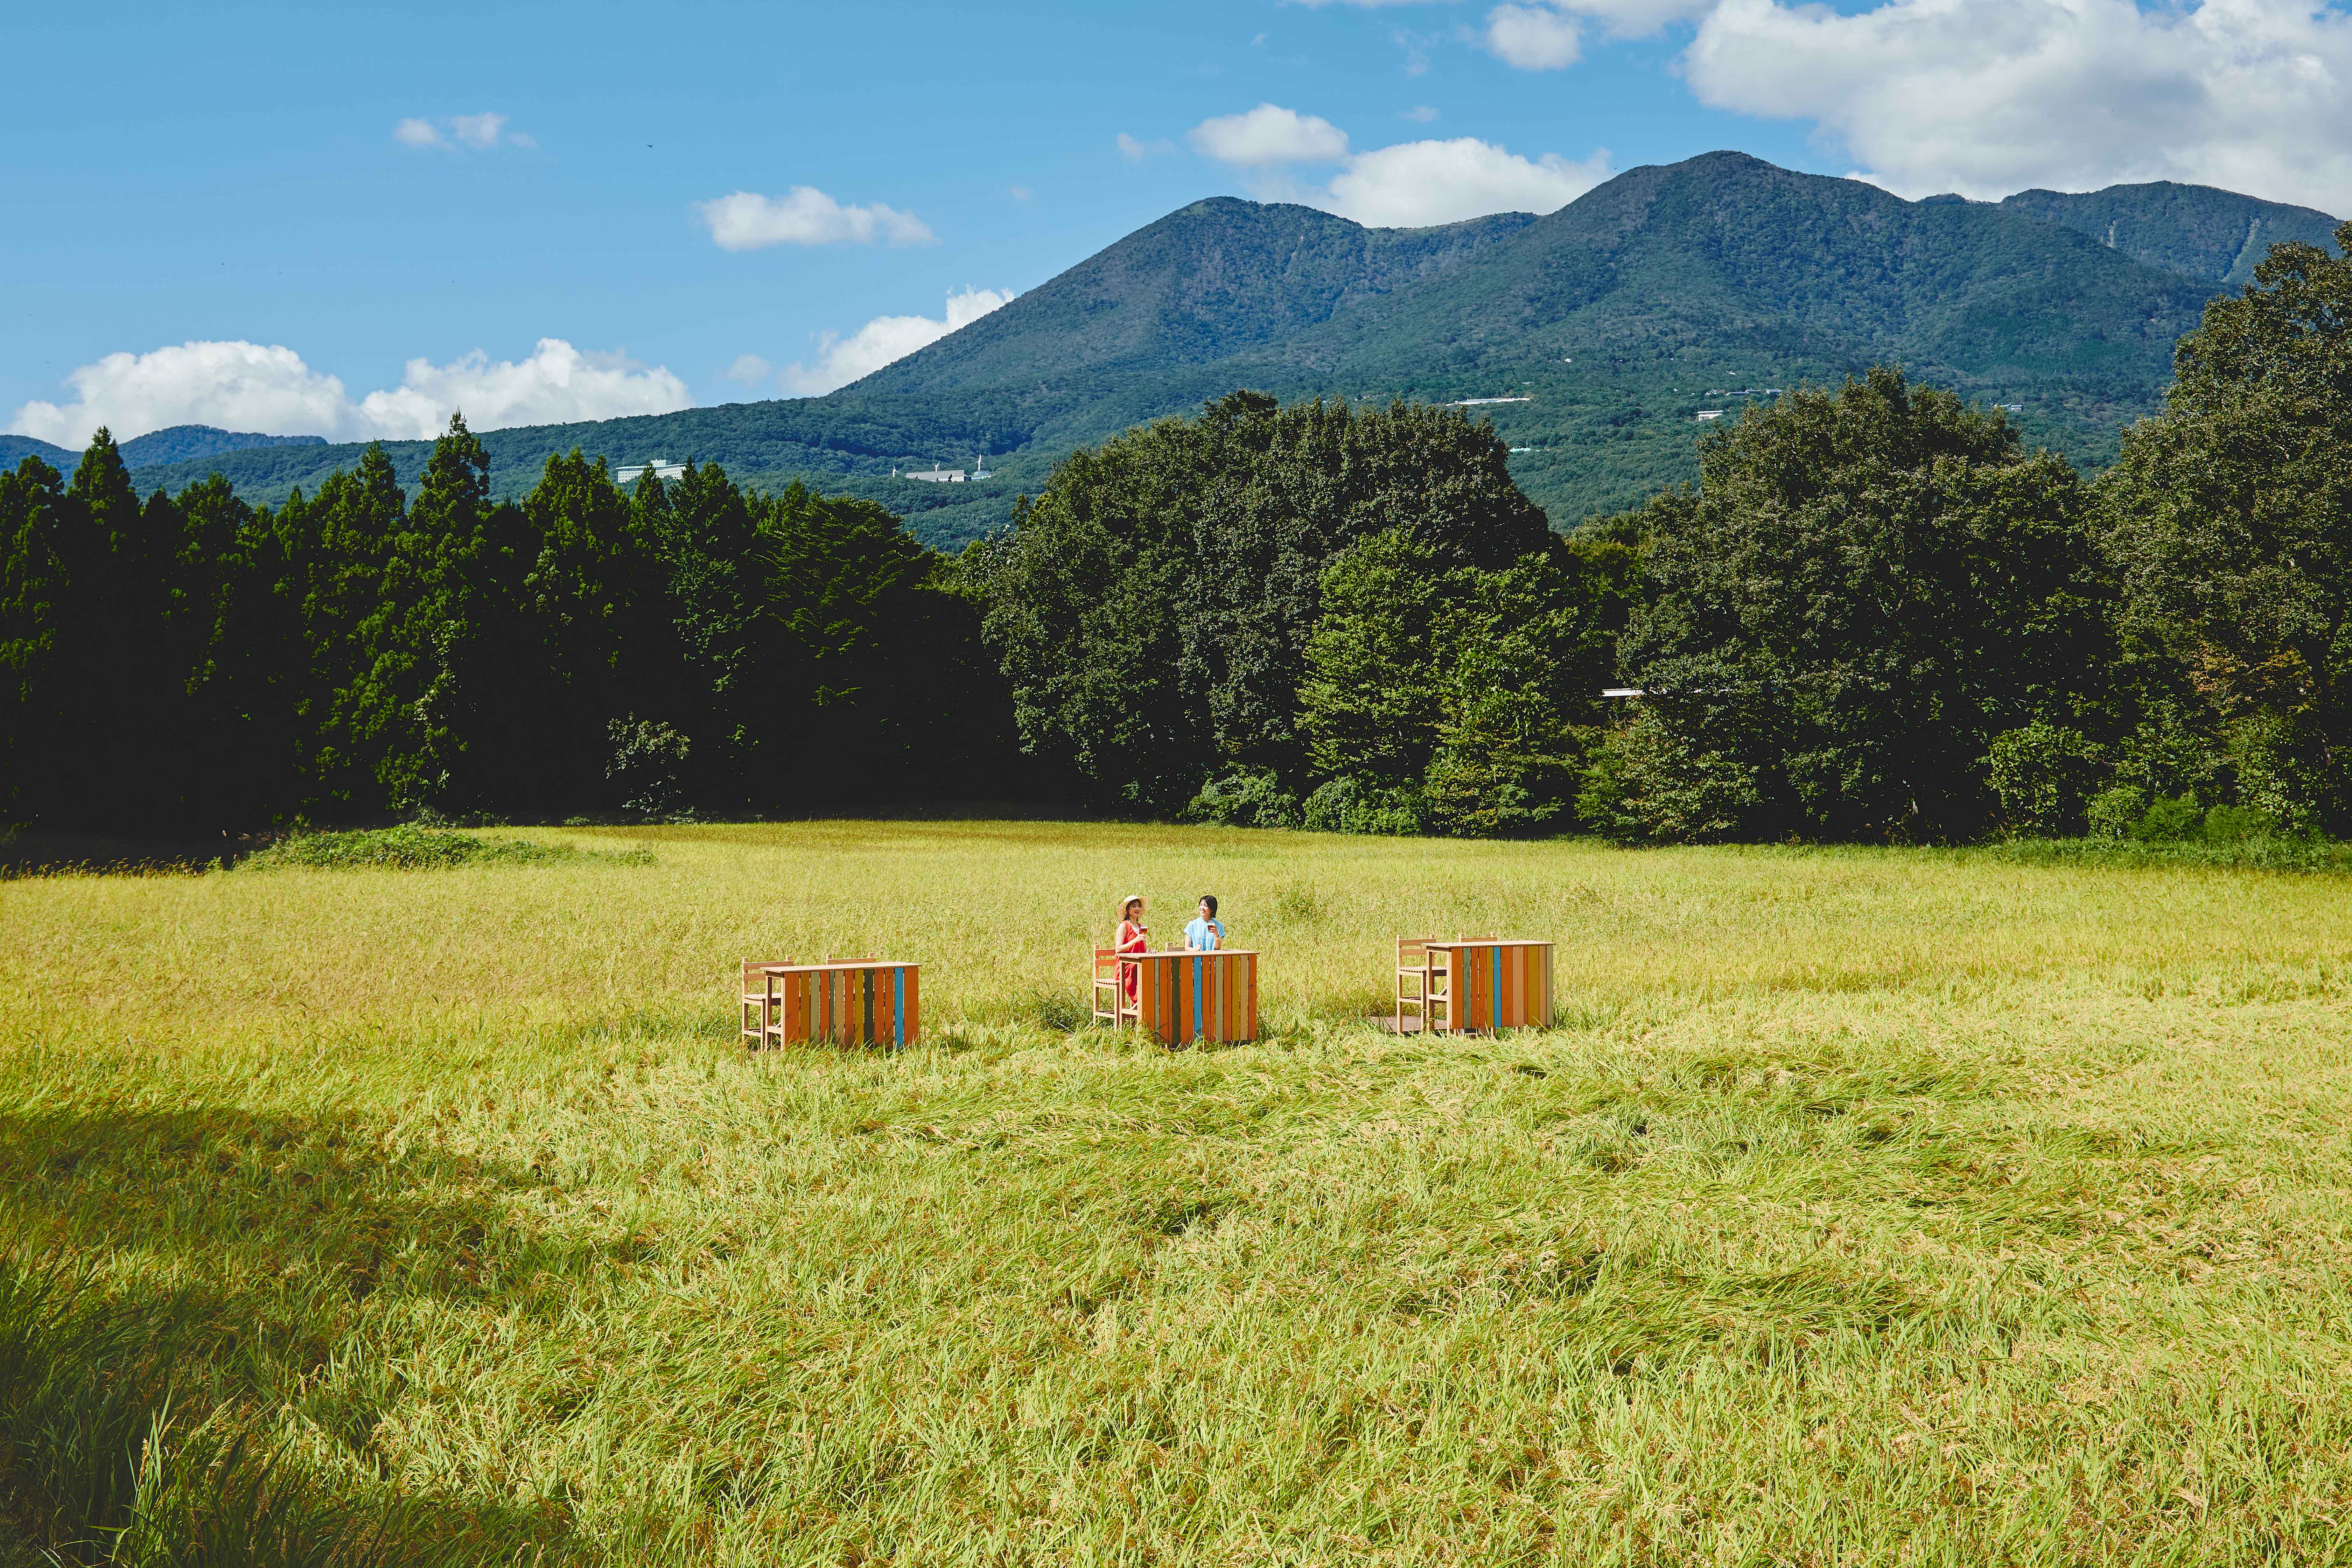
x,y
2215,237
173,443
184,443
15,449
1594,338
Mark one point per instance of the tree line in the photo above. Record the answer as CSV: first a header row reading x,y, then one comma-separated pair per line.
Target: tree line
x,y
1876,617
193,664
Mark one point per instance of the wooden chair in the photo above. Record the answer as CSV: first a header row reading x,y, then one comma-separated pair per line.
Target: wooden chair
x,y
1415,981
1110,984
1422,987
757,998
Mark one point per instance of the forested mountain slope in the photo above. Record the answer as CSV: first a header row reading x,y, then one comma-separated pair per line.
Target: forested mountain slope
x,y
1614,323
173,443
2214,235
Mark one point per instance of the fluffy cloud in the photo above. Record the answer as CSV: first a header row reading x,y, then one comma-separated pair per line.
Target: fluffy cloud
x,y
1534,38
1267,135
1416,184
240,386
748,369
1135,151
1985,97
840,361
479,131
748,221
1409,186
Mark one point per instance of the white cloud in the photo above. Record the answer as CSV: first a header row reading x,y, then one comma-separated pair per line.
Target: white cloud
x,y
239,385
1135,151
748,369
840,361
748,221
1416,184
1267,135
1533,37
476,130
1021,193
479,131
1986,97
1635,18
1409,186
1421,112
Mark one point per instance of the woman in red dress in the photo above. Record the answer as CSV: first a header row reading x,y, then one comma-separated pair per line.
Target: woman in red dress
x,y
1133,937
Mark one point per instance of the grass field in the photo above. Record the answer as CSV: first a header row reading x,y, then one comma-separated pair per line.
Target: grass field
x,y
1866,1207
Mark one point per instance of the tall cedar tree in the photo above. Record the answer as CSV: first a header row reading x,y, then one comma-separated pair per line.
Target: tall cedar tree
x,y
1865,588
2230,522
34,588
335,549
97,634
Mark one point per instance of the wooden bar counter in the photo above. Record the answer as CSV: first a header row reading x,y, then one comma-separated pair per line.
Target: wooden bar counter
x,y
1182,997
849,1002
1479,986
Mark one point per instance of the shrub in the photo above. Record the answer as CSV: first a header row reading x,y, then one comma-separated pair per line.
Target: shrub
x,y
2115,811
1648,785
1246,797
2280,774
2171,821
649,764
2043,773
1349,806
410,848
2236,824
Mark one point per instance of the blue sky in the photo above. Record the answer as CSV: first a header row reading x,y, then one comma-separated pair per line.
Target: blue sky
x,y
366,190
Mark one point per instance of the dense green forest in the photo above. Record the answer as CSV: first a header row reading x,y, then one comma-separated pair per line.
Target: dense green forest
x,y
191,663
1877,615
1614,323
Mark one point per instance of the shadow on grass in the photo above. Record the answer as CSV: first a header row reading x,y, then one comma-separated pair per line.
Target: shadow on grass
x,y
135,1420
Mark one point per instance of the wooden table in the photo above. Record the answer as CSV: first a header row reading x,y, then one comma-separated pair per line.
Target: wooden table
x,y
1182,997
853,1001
1481,987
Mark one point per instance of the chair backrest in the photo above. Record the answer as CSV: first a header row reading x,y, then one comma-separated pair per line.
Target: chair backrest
x,y
755,983
1412,950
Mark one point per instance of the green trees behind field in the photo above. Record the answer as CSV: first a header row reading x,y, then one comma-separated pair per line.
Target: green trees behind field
x,y
1876,617
1222,615
192,664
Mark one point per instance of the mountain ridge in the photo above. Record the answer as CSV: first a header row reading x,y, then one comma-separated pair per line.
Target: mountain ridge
x,y
156,449
1620,319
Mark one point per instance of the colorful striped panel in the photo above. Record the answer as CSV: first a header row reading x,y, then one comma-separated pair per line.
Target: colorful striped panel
x,y
1497,985
852,1005
1190,996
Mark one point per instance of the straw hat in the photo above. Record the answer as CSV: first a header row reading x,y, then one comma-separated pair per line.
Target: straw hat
x,y
1131,899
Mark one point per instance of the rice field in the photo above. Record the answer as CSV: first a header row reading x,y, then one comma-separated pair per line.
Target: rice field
x,y
1864,1207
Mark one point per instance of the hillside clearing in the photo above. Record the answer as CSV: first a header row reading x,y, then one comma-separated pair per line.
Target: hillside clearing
x,y
1867,1206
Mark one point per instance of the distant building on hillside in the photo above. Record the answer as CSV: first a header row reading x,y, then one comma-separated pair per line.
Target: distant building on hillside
x,y
932,475
1710,412
1479,402
661,470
